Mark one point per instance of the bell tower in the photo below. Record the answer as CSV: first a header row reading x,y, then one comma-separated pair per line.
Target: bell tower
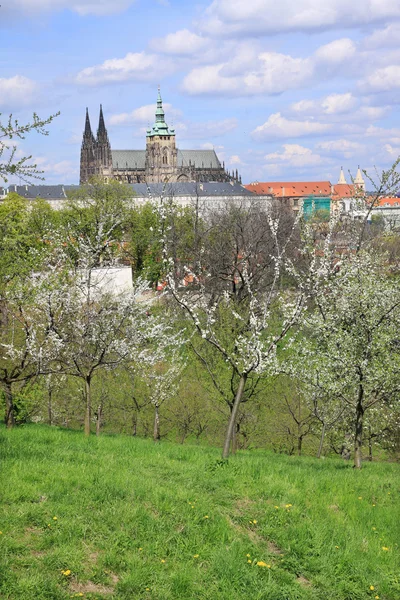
x,y
161,152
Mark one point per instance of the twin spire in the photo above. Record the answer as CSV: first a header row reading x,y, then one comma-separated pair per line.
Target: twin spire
x,y
102,136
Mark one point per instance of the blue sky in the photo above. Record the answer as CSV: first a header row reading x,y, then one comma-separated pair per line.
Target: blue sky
x,y
288,90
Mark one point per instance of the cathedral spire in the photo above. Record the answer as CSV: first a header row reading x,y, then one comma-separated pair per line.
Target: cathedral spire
x,y
88,129
342,178
102,131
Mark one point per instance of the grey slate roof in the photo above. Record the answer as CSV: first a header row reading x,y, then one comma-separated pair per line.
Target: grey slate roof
x,y
206,159
136,159
183,188
41,191
188,188
128,159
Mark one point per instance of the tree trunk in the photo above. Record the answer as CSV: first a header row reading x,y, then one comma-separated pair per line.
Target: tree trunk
x,y
321,441
369,444
359,429
50,408
232,420
98,419
10,411
299,444
134,424
156,432
88,413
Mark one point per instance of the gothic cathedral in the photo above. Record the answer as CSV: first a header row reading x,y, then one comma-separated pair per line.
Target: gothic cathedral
x,y
161,161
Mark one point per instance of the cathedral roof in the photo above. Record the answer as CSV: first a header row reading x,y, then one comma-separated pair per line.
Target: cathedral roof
x,y
136,159
128,159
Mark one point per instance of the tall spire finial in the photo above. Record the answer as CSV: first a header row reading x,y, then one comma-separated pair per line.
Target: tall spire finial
x,y
342,178
102,128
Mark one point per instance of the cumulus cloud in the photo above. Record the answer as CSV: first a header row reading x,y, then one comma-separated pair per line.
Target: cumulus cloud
x,y
139,66
17,92
341,147
330,105
271,73
336,52
208,129
382,80
383,38
294,155
278,126
144,114
257,17
31,8
183,42
248,71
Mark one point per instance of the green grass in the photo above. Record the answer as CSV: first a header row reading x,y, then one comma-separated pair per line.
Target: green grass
x,y
123,506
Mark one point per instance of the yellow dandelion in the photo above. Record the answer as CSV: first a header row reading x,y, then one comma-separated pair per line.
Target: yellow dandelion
x,y
371,587
147,589
373,505
336,546
196,555
54,518
276,506
1,533
248,555
66,573
249,561
288,505
206,517
254,522
360,497
385,548
162,560
140,549
261,563
376,597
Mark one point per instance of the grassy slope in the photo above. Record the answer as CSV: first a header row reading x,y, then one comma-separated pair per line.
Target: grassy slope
x,y
125,505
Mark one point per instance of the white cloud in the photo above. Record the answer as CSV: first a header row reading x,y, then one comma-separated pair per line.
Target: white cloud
x,y
383,38
336,52
294,155
139,66
31,8
394,153
341,147
64,171
330,105
17,92
208,129
271,73
235,160
278,126
144,114
254,17
382,80
183,42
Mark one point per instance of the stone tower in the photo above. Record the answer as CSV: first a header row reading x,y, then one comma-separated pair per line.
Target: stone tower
x,y
88,153
161,151
96,158
103,149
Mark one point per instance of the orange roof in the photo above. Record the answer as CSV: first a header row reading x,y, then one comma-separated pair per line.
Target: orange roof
x,y
343,190
291,189
387,202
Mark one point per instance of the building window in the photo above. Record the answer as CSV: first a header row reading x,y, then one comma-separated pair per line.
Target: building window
x,y
295,202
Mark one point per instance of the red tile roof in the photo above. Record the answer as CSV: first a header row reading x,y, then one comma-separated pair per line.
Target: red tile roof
x,y
291,189
387,202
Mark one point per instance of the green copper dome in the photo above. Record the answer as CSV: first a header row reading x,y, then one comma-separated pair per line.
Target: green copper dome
x,y
160,127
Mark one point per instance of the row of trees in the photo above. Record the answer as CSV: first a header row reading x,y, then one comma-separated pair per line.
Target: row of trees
x,y
253,297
